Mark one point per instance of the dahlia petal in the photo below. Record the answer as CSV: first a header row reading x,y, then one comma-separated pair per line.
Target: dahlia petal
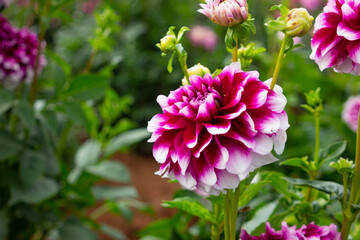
x,y
326,20
176,123
239,156
347,66
204,171
162,147
254,97
196,81
259,160
227,180
284,120
354,51
185,179
350,34
216,155
163,101
264,144
246,124
276,103
279,139
351,18
233,96
156,122
334,56
237,134
155,136
191,134
221,126
203,141
232,112
182,153
265,120
226,77
207,110
188,112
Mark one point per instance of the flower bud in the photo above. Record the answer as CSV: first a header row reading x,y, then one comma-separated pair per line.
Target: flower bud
x,y
343,166
167,43
227,13
198,69
298,22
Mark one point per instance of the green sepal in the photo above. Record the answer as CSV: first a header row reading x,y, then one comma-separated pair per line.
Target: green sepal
x,y
283,9
169,66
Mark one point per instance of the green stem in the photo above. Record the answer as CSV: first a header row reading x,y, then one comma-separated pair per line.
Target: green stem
x,y
63,138
345,228
234,52
354,196
99,212
317,138
279,63
226,217
34,87
90,61
215,229
345,197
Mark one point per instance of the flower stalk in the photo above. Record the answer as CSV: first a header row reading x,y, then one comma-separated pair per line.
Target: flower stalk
x,y
279,62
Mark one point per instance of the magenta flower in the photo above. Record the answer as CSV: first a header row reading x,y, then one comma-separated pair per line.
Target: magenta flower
x,y
350,114
336,42
89,6
216,131
226,13
18,51
311,5
203,36
309,232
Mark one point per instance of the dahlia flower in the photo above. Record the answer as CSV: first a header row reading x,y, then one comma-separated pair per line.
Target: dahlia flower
x,y
18,51
216,131
226,13
4,3
203,36
350,114
336,42
308,232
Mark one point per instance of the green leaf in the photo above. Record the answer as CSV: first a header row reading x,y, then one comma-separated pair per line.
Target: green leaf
x,y
298,162
9,146
88,87
65,66
43,189
110,170
125,140
332,152
276,25
181,33
74,111
161,228
106,192
283,9
112,232
26,113
169,66
88,153
280,184
191,206
32,167
250,192
6,100
74,229
332,188
3,226
260,216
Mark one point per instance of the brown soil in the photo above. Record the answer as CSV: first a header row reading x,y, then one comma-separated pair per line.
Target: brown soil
x,y
152,190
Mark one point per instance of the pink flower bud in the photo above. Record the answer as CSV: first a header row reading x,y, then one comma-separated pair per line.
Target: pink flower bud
x,y
298,22
226,13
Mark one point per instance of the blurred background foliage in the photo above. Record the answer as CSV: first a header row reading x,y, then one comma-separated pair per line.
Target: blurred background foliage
x,y
99,83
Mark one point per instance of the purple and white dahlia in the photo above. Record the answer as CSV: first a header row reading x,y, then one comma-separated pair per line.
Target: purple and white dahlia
x,y
226,13
350,114
306,232
336,42
18,51
216,131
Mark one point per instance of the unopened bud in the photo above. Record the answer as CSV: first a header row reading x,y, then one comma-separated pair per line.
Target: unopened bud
x,y
167,43
198,69
298,22
344,166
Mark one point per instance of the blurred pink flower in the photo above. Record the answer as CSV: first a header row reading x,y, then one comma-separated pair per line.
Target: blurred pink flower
x,y
18,51
4,3
203,36
336,42
350,114
216,131
89,6
226,13
311,231
310,5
